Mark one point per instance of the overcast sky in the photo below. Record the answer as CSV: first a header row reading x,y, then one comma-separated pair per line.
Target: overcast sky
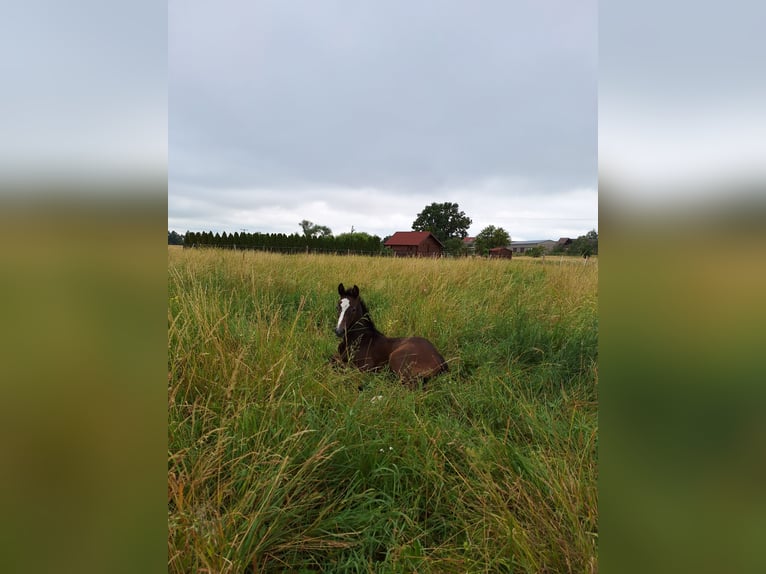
x,y
360,114
681,102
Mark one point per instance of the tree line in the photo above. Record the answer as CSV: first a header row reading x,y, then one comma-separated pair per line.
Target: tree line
x,y
445,220
357,242
585,245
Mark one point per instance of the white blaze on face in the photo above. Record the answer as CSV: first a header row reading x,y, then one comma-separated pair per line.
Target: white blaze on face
x,y
344,304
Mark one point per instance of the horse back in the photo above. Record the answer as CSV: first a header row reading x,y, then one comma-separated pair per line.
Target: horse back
x,y
415,358
368,353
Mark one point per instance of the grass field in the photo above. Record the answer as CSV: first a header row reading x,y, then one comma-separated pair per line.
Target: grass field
x,y
277,462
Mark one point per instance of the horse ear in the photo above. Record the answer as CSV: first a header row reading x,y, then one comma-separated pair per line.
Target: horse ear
x,y
341,289
355,291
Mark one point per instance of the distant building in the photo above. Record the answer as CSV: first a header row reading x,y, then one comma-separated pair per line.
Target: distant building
x,y
500,253
415,244
469,243
548,244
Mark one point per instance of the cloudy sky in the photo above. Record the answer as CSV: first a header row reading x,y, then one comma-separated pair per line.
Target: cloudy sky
x,y
681,102
360,114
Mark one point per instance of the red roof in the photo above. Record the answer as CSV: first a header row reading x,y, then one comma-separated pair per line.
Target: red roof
x,y
410,238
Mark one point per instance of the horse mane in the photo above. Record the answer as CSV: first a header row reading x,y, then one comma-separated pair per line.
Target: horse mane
x,y
366,316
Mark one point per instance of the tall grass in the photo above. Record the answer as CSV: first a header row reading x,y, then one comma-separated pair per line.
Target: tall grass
x,y
277,462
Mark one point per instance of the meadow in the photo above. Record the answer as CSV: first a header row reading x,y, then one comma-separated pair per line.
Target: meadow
x,y
279,463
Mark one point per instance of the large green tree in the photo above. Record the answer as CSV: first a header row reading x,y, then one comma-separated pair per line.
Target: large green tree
x,y
311,229
490,237
444,220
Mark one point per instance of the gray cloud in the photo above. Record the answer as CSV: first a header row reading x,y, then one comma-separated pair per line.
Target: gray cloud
x,y
370,112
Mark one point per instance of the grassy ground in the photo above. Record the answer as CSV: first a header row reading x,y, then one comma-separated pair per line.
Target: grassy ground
x,y
277,462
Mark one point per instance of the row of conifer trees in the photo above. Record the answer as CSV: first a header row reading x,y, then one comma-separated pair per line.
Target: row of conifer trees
x,y
293,243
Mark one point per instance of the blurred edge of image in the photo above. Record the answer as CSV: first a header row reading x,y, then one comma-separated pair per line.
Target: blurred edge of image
x,y
83,164
682,207
83,187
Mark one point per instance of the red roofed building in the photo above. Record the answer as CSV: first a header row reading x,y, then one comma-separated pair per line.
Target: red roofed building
x,y
415,244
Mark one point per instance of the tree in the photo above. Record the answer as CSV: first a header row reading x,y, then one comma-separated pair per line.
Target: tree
x,y
592,238
358,241
454,246
174,238
444,220
585,244
354,235
313,230
490,237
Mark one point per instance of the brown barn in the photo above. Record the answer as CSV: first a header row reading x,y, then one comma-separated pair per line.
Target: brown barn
x,y
501,252
415,244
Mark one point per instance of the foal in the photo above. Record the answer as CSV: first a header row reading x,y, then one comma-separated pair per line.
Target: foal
x,y
411,358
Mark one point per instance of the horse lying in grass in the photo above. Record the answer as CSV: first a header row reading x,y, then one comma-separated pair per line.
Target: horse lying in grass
x,y
412,359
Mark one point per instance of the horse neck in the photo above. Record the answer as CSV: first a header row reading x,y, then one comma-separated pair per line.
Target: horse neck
x,y
363,325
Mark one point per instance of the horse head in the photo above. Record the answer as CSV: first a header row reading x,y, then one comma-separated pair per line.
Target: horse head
x,y
350,309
